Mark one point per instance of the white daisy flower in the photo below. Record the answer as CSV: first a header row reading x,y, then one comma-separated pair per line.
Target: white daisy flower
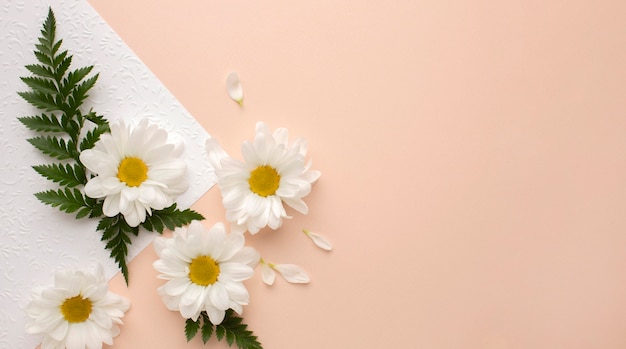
x,y
205,269
136,170
253,192
78,312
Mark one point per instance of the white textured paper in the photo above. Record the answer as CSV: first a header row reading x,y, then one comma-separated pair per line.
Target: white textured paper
x,y
35,239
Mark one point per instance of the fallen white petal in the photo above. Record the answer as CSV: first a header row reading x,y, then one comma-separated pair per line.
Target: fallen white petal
x,y
267,273
292,273
233,87
319,240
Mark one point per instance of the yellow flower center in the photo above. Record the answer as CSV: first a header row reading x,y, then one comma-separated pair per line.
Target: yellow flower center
x,y
203,271
132,171
76,309
264,181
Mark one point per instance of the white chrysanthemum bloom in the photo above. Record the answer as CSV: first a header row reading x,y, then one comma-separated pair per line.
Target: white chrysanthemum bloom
x,y
205,269
274,172
78,312
136,170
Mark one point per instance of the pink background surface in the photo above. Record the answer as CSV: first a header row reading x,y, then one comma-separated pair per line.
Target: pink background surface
x,y
473,157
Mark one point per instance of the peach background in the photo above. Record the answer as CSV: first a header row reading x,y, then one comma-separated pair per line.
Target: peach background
x,y
473,157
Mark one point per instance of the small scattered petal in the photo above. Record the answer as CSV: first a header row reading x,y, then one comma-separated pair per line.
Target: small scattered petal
x,y
234,89
319,240
292,273
267,273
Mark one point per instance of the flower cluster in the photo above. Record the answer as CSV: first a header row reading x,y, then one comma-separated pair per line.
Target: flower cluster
x,y
129,176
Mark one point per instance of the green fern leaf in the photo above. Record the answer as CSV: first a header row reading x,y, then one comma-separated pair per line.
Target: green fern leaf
x,y
40,100
191,328
170,218
41,71
237,332
43,58
96,119
79,92
68,200
66,175
92,136
58,59
73,78
45,86
62,68
49,29
207,328
55,147
116,232
42,123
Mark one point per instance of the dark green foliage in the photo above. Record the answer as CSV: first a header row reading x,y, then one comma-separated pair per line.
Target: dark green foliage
x,y
66,175
170,218
67,200
191,328
116,232
232,329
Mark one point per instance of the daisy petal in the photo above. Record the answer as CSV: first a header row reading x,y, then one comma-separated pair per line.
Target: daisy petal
x,y
234,89
319,240
292,273
267,273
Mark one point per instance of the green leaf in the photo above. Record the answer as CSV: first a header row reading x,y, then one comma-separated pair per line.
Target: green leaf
x,y
170,218
66,175
43,58
42,85
42,123
79,93
55,147
191,328
58,59
73,78
96,119
236,331
116,232
92,136
207,328
49,29
219,332
232,329
62,67
41,70
68,200
41,100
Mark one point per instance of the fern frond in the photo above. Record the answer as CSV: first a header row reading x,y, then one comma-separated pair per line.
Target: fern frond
x,y
66,175
115,231
67,200
57,148
42,123
41,100
92,136
170,218
43,85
